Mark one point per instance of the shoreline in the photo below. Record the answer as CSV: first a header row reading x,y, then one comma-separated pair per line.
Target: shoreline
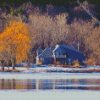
x,y
91,69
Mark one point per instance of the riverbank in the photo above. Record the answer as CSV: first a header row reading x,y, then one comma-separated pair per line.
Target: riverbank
x,y
89,69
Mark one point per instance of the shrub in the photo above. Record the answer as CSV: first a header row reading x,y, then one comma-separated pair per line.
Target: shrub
x,y
75,63
88,62
39,63
13,70
58,63
69,64
54,62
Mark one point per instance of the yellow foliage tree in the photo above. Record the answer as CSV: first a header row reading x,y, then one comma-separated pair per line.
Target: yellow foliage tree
x,y
15,39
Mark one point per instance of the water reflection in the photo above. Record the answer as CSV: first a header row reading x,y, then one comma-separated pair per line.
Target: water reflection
x,y
84,84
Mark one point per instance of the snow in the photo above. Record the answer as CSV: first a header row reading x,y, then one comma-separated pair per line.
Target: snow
x,y
24,64
54,68
49,95
93,67
27,75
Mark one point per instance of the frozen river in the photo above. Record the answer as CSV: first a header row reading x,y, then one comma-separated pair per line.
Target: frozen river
x,y
28,85
50,86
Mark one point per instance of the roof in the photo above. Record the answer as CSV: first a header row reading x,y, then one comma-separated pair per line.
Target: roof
x,y
39,51
72,51
69,47
48,52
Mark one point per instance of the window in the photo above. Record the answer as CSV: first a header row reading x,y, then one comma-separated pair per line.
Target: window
x,y
66,54
69,60
56,59
79,60
58,53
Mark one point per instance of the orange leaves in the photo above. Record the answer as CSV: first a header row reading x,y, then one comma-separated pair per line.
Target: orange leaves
x,y
16,40
20,36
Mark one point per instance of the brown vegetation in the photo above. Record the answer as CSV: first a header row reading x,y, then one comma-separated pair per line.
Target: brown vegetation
x,y
12,70
75,63
58,63
88,62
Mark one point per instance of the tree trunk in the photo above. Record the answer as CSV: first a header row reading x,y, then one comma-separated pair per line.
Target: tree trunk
x,y
2,63
13,67
8,65
2,68
28,64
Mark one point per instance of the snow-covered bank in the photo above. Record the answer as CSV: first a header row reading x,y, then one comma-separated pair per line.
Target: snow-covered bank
x,y
13,75
49,95
49,68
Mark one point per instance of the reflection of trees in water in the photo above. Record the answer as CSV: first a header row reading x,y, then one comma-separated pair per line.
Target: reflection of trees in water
x,y
40,85
13,84
76,81
53,84
65,83
37,84
49,84
45,84
93,81
92,88
26,84
19,84
2,83
7,84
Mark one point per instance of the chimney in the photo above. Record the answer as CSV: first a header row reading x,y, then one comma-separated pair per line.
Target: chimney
x,y
57,45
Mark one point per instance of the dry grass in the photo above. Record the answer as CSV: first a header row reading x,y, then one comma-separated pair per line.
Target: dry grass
x,y
63,65
89,62
12,70
58,63
23,66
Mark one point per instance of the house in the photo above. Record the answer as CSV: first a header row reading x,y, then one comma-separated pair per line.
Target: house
x,y
63,53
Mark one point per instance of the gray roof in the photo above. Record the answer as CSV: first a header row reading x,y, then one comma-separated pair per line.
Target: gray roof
x,y
72,52
39,51
48,52
69,47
